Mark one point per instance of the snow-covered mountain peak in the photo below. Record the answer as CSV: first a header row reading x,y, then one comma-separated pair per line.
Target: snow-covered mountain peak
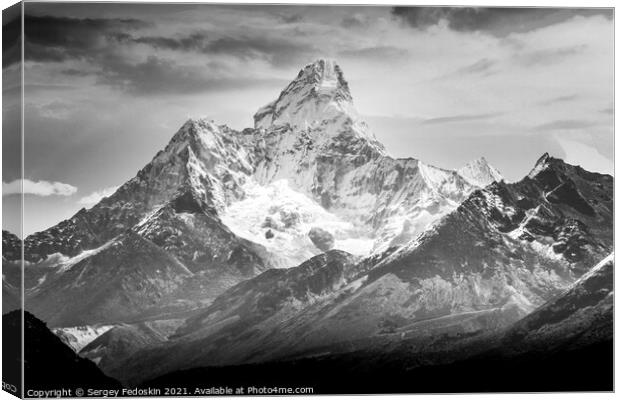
x,y
319,93
480,173
326,77
194,129
541,165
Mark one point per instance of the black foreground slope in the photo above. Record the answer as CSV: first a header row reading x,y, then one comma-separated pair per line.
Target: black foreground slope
x,y
587,369
49,363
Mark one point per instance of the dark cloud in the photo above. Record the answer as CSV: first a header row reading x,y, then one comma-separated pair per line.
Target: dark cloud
x,y
497,21
11,35
161,76
276,50
482,66
195,42
564,124
54,39
460,118
378,53
101,43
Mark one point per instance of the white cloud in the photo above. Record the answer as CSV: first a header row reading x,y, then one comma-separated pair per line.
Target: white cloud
x,y
97,195
587,157
37,188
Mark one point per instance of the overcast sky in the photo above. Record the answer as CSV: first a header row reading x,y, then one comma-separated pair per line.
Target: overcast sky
x,y
107,85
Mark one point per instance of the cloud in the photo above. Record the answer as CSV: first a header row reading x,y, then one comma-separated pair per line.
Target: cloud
x,y
377,53
609,110
37,188
55,39
460,118
196,41
579,153
11,48
564,124
358,20
559,99
278,51
495,21
275,50
481,66
157,75
112,51
55,109
549,56
97,195
291,18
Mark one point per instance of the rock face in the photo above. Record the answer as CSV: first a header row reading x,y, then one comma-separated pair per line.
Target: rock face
x,y
581,316
322,239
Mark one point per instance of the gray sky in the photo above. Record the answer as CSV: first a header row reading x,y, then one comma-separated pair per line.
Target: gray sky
x,y
107,85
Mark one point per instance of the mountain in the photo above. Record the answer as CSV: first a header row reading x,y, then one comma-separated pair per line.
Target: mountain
x,y
302,240
11,246
480,173
172,202
49,363
78,337
222,206
125,279
312,137
109,349
503,252
581,316
577,325
250,313
11,272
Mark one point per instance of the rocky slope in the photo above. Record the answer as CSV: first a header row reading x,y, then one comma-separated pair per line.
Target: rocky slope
x,y
109,349
128,278
581,316
11,272
564,345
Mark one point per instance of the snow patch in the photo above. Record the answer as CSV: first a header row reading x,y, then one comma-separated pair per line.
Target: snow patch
x,y
78,337
276,209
